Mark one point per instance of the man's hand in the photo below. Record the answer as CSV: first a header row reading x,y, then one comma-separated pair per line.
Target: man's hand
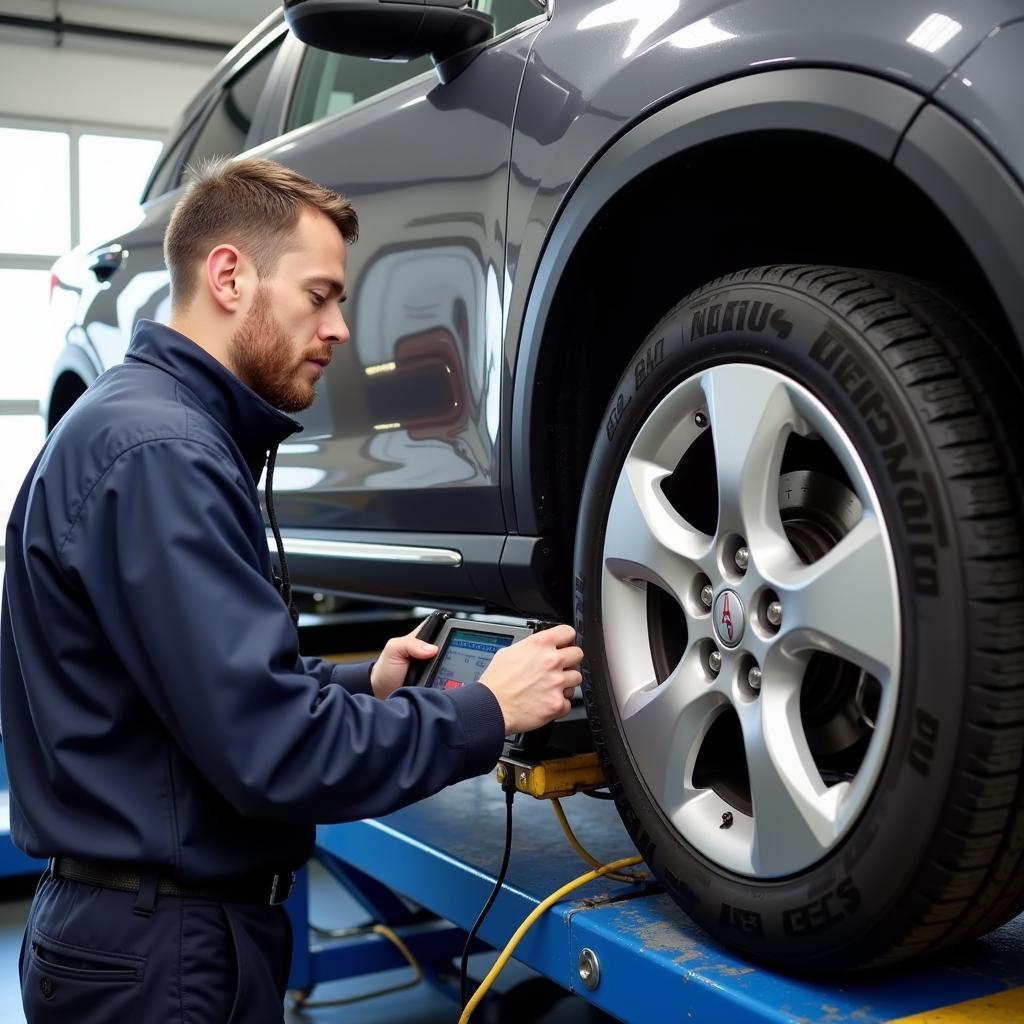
x,y
533,679
389,673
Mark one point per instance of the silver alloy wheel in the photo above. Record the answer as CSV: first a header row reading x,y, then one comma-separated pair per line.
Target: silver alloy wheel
x,y
845,604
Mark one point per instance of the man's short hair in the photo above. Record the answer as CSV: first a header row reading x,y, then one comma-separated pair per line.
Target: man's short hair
x,y
252,204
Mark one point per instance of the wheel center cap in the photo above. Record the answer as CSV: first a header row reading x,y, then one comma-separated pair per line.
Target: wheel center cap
x,y
730,618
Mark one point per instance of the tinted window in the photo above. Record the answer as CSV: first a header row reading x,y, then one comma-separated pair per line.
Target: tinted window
x,y
227,125
508,13
330,82
162,182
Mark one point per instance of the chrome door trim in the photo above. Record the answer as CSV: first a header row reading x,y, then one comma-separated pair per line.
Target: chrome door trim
x,y
367,551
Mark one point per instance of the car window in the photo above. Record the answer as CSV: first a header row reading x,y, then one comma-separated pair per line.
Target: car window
x,y
508,13
331,82
227,126
161,182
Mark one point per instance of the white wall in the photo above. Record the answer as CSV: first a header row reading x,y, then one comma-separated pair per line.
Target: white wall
x,y
96,81
66,85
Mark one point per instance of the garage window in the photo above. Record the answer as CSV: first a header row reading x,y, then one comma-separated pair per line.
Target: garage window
x,y
111,171
35,191
59,185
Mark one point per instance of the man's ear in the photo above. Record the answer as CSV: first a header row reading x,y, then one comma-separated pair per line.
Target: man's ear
x,y
226,277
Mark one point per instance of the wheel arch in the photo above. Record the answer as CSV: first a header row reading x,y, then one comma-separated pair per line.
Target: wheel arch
x,y
72,374
756,157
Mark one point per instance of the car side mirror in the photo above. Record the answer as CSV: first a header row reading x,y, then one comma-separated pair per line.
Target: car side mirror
x,y
399,30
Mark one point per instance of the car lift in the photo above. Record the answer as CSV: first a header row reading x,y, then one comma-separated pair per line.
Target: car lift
x,y
13,863
625,947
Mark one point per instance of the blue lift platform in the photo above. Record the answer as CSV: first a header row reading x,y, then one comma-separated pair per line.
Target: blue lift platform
x,y
655,965
12,861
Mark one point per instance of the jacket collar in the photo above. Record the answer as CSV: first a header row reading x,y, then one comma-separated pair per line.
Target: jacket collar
x,y
253,422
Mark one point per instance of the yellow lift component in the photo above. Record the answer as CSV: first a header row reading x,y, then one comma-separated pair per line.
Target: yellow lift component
x,y
561,776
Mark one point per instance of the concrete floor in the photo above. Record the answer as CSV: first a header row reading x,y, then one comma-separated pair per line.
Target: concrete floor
x,y
331,909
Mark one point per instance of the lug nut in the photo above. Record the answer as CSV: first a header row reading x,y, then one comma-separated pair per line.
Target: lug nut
x,y
707,595
742,559
773,613
715,662
701,420
754,678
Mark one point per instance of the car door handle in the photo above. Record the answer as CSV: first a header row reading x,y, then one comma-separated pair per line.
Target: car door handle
x,y
107,261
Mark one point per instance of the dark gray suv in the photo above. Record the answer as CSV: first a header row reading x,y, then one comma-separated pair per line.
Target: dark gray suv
x,y
699,323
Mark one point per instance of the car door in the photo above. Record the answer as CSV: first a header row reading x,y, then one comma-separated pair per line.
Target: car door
x,y
402,436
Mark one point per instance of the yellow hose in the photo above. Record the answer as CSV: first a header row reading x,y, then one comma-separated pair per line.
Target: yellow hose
x,y
579,848
507,952
383,930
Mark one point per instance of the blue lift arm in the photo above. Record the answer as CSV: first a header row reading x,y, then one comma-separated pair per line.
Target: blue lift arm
x,y
655,964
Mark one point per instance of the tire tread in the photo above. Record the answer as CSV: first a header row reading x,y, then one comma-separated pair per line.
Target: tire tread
x,y
973,878
972,881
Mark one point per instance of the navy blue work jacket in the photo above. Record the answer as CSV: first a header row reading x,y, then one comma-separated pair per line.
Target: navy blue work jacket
x,y
154,704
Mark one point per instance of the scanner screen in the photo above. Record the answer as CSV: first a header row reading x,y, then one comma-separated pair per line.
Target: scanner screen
x,y
465,656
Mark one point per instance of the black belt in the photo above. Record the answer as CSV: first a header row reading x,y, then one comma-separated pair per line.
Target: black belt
x,y
263,887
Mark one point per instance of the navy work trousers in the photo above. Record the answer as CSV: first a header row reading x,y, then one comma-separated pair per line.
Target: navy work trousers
x,y
91,957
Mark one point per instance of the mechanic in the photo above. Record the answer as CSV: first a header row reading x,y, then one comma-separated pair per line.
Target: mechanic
x,y
168,748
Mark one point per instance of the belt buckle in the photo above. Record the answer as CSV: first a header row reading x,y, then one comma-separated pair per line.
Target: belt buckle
x,y
281,888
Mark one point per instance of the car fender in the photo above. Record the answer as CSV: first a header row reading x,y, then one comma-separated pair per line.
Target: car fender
x,y
965,151
858,108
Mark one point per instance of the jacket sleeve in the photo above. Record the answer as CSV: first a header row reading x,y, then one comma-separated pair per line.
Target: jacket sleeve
x,y
354,677
164,546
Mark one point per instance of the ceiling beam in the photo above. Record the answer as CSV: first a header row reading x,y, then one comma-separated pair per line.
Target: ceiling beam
x,y
59,27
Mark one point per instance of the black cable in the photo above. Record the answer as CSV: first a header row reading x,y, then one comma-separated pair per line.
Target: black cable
x,y
510,793
285,579
598,794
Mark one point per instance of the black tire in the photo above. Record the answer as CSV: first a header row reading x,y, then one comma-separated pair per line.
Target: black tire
x,y
934,854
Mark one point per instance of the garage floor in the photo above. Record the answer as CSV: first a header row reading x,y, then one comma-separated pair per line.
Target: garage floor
x,y
331,909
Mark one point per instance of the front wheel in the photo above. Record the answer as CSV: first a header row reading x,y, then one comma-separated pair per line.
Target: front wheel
x,y
799,585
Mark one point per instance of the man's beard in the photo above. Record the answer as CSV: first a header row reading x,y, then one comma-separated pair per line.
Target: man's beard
x,y
261,356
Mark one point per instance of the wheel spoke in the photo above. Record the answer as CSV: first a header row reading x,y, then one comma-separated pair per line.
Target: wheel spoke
x,y
665,728
794,813
846,603
751,418
646,538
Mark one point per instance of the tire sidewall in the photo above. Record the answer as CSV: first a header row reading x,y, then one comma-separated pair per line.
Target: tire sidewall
x,y
835,907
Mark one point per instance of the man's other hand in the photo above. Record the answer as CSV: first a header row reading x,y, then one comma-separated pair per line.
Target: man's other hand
x,y
533,680
388,674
